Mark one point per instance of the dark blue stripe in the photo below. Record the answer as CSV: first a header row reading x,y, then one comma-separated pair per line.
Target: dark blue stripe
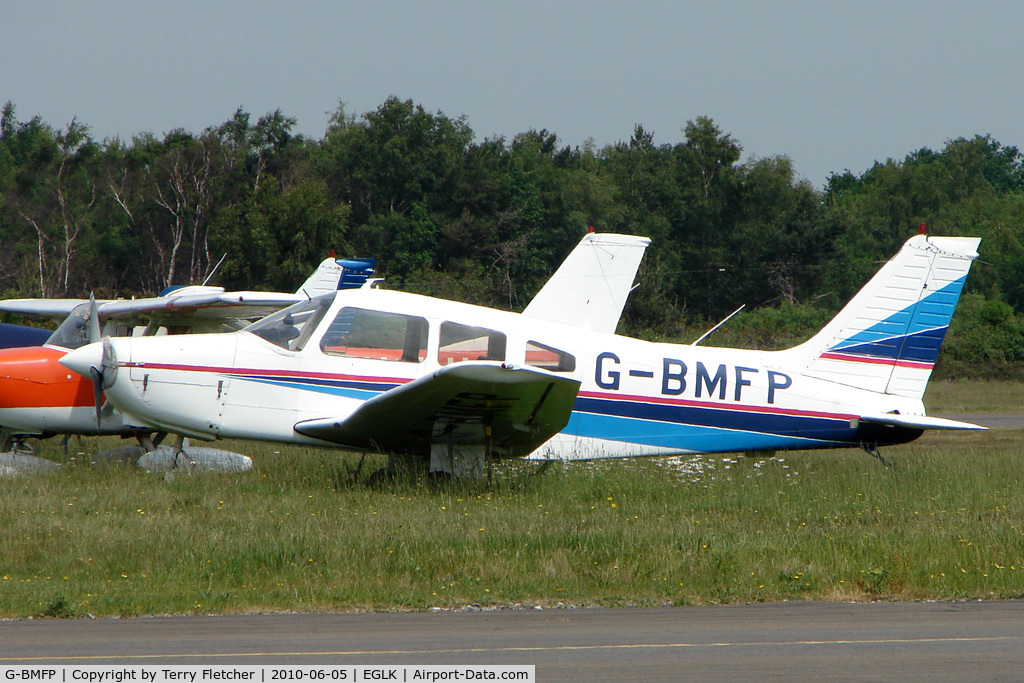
x,y
719,430
720,418
922,347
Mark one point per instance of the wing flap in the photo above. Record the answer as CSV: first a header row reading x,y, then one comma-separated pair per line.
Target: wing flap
x,y
521,408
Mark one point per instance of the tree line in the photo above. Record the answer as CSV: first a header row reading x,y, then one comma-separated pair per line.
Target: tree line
x,y
488,221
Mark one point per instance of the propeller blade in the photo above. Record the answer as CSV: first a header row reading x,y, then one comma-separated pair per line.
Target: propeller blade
x,y
94,320
97,393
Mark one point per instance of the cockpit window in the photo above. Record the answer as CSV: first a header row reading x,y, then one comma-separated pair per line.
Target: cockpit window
x,y
464,342
74,331
291,328
362,333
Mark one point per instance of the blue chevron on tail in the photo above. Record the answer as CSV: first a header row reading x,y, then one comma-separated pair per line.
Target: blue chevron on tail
x,y
887,338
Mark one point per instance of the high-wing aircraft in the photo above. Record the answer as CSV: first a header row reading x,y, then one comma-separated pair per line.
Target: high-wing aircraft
x,y
454,385
39,397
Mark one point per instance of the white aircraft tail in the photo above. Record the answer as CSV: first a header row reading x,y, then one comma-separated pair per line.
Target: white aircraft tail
x,y
887,338
333,274
591,286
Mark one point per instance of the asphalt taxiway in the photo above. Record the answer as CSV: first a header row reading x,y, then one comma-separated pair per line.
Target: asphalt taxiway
x,y
876,641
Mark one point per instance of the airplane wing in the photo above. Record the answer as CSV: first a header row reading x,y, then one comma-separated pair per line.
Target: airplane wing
x,y
521,407
210,305
917,421
44,308
591,286
182,305
203,309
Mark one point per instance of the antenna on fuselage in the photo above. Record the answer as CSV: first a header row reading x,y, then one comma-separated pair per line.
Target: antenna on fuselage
x,y
724,321
215,268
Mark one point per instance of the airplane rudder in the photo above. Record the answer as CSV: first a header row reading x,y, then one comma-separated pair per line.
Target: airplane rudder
x,y
887,337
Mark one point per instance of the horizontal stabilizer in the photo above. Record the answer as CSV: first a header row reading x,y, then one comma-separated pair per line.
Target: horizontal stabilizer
x,y
918,421
521,408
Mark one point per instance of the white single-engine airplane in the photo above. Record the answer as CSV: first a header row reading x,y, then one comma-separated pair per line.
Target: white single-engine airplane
x,y
39,397
454,385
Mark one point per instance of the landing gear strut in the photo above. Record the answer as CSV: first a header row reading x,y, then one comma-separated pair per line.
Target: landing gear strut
x,y
872,450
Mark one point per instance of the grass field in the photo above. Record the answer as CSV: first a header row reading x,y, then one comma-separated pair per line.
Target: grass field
x,y
976,396
302,532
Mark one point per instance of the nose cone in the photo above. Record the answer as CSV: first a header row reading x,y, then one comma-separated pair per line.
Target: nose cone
x,y
82,359
32,377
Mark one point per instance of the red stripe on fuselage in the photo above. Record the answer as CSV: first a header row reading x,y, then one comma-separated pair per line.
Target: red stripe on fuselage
x,y
877,361
689,403
263,373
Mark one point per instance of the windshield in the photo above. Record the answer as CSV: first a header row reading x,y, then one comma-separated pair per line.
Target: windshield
x,y
290,328
74,331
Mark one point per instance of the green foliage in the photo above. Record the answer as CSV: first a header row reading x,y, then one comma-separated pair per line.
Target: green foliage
x,y
275,237
985,340
488,221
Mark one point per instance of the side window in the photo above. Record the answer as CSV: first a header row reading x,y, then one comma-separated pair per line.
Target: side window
x,y
463,342
362,333
549,358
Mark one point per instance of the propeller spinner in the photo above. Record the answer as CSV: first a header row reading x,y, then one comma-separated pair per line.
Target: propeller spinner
x,y
103,377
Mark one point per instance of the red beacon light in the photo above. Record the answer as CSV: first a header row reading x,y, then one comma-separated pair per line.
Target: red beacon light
x,y
922,229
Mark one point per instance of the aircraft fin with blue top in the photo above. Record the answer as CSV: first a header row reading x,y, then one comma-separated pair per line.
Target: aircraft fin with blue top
x,y
333,274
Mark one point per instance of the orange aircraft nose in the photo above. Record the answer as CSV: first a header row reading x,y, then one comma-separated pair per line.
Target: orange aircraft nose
x,y
32,377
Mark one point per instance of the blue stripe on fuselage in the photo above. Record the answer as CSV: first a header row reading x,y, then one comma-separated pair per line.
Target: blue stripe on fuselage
x,y
693,428
686,437
703,427
334,387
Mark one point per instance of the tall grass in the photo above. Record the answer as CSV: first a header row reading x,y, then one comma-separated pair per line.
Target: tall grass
x,y
975,396
301,531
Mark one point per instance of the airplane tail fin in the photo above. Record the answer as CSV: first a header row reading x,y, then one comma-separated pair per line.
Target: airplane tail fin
x,y
887,338
333,274
591,286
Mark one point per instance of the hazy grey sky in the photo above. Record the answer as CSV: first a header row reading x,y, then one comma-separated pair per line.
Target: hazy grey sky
x,y
833,85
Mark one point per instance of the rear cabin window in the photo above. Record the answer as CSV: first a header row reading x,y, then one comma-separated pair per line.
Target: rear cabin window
x,y
362,333
549,358
463,342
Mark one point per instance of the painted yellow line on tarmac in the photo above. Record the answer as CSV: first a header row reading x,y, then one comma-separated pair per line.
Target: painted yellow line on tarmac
x,y
538,648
